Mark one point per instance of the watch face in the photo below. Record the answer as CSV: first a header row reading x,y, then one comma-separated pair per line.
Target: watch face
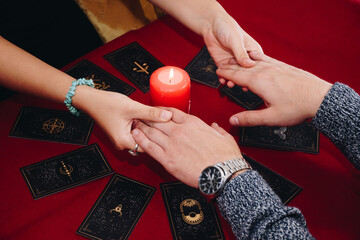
x,y
210,180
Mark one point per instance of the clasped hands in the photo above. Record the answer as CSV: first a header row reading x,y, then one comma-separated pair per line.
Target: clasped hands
x,y
186,145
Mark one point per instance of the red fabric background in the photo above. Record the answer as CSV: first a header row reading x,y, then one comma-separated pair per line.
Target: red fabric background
x,y
319,36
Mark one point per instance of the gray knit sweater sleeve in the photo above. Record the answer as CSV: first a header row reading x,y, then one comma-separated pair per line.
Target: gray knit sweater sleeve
x,y
338,118
254,211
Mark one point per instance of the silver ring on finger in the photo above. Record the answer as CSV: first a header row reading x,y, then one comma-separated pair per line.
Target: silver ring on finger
x,y
134,152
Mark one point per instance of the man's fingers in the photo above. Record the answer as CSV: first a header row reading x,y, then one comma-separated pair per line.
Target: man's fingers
x,y
230,84
166,128
154,114
153,134
150,147
254,118
222,81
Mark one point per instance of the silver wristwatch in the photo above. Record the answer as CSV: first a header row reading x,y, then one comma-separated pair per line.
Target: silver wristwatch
x,y
213,179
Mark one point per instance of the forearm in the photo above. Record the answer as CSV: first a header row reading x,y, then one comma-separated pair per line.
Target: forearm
x,y
338,118
23,72
197,15
254,211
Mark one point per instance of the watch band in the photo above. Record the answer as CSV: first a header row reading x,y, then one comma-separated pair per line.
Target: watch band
x,y
232,166
213,178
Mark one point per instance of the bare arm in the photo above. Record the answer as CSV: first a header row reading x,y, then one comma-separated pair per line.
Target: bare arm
x,y
114,112
23,72
224,38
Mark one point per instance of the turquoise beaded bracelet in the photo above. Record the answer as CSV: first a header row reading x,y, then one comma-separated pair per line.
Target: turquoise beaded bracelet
x,y
71,93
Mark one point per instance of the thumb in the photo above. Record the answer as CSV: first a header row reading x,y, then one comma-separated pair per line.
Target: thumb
x,y
154,114
254,118
242,56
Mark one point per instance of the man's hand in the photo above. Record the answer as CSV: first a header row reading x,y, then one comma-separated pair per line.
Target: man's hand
x,y
291,95
186,145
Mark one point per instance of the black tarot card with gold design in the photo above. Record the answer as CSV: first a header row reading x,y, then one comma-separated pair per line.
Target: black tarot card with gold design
x,y
52,125
303,137
191,216
202,69
247,100
66,171
117,210
283,187
135,63
102,79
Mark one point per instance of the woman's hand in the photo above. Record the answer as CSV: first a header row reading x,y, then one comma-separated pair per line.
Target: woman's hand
x,y
115,113
223,36
226,40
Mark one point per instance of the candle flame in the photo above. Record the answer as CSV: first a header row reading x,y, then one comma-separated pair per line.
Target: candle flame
x,y
171,74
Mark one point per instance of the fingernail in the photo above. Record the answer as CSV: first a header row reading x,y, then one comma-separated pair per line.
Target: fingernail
x,y
214,123
234,121
166,115
248,61
254,52
135,132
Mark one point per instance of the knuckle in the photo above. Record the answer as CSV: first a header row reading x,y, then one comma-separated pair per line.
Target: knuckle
x,y
150,132
177,131
152,113
150,148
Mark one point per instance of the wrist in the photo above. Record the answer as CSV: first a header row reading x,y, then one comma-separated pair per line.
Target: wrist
x,y
83,99
213,178
319,96
238,173
210,17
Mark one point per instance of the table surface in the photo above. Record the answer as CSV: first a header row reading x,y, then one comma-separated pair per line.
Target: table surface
x,y
319,36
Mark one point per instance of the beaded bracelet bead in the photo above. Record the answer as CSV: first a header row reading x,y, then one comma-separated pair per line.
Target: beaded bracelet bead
x,y
71,93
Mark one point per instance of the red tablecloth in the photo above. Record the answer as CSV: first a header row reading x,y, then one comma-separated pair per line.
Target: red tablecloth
x,y
320,36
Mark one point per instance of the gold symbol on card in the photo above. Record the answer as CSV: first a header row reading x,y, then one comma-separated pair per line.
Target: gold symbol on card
x,y
141,68
117,209
66,169
210,67
98,84
191,211
53,126
281,132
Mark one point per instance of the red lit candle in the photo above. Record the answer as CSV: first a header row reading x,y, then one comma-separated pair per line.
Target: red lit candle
x,y
170,87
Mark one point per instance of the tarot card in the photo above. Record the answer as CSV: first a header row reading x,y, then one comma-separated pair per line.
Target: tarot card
x,y
102,79
283,187
135,63
247,100
52,125
5,93
190,215
303,137
202,69
117,210
66,171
